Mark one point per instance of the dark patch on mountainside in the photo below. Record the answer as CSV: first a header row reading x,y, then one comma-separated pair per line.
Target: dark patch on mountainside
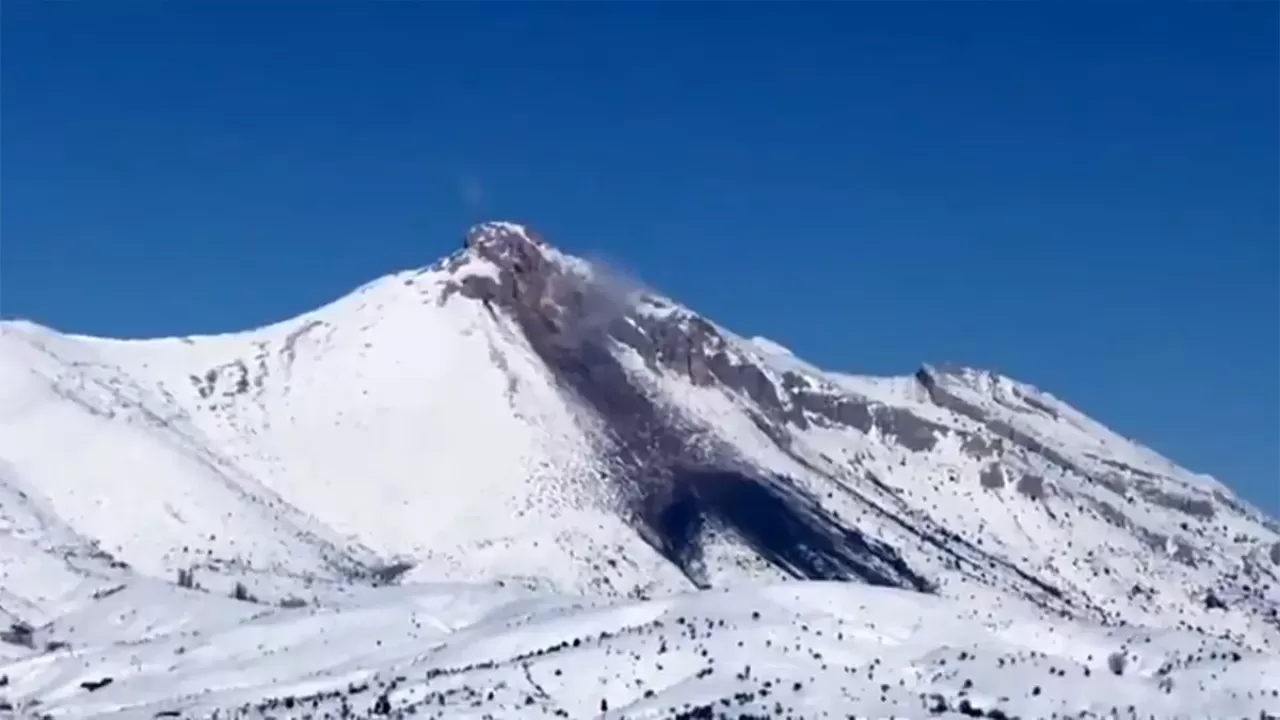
x,y
679,484
694,348
790,531
1120,478
675,483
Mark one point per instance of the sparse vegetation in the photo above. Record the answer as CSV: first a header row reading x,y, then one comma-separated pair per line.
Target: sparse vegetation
x,y
241,592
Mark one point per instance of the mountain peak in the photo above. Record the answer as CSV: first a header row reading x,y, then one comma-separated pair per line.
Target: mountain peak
x,y
513,250
513,414
500,238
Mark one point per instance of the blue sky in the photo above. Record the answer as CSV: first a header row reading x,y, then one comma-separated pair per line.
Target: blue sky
x,y
1084,197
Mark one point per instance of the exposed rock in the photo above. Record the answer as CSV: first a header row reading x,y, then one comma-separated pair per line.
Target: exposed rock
x,y
571,317
845,479
1184,552
980,447
675,490
94,685
1196,507
1032,486
992,477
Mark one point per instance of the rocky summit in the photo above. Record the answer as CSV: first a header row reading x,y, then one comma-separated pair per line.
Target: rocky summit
x,y
514,460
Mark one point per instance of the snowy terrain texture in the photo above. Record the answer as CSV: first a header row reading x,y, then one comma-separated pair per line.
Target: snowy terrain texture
x,y
515,485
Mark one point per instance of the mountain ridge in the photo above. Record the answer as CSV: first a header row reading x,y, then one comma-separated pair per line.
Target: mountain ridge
x,y
619,427
515,483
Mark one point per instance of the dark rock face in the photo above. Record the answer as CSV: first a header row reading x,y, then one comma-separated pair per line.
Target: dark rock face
x,y
678,484
1117,477
1040,406
992,477
980,447
1184,552
693,347
674,480
1032,486
783,526
574,310
1110,513
941,397
1201,508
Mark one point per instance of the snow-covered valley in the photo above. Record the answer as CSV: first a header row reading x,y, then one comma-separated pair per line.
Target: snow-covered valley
x,y
509,485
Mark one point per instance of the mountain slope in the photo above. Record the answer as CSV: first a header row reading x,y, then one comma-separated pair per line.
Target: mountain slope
x,y
801,650
515,414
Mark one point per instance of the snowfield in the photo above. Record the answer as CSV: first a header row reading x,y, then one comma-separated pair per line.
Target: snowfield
x,y
510,485
796,650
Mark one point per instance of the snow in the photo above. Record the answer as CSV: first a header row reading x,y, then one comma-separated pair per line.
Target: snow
x,y
1056,422
400,486
459,437
808,650
771,348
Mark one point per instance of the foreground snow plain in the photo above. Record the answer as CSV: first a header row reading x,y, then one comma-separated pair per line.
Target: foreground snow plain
x,y
793,650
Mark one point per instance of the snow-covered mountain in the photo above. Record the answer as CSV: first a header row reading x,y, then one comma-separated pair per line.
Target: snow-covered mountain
x,y
515,415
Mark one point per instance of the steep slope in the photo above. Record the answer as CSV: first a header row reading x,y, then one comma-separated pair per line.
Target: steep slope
x,y
94,453
515,414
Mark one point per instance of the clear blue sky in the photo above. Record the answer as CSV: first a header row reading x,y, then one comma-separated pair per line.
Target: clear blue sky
x,y
1082,196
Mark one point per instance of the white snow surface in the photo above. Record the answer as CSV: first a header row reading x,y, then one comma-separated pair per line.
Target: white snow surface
x,y
799,650
408,498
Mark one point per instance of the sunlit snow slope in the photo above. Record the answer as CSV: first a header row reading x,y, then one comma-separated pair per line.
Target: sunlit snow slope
x,y
801,650
514,415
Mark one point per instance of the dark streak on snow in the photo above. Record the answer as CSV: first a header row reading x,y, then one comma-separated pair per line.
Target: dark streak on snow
x,y
676,482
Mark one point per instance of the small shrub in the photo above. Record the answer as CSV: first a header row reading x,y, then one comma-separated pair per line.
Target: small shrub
x,y
241,593
20,634
1117,662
